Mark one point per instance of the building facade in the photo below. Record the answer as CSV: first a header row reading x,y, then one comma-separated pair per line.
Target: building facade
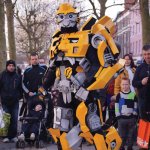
x,y
129,31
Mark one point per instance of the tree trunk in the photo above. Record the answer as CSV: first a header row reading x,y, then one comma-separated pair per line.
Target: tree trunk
x,y
2,37
103,7
10,24
145,17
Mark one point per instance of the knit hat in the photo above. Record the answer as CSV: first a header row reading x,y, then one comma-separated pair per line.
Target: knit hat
x,y
10,62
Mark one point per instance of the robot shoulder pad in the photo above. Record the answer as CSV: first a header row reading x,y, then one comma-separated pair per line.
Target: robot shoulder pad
x,y
88,24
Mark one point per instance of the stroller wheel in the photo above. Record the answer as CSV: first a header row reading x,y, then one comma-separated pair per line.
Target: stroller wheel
x,y
20,144
39,144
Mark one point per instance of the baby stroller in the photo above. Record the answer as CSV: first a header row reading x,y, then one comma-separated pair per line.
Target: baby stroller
x,y
33,127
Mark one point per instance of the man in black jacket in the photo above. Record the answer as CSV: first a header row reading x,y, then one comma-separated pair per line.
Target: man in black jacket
x,y
141,81
11,92
32,77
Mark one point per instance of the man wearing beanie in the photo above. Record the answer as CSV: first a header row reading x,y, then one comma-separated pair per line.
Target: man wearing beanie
x,y
10,93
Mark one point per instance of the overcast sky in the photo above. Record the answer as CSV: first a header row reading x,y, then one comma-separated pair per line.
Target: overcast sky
x,y
112,11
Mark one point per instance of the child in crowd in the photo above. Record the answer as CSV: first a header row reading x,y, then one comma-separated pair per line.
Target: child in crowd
x,y
31,126
126,113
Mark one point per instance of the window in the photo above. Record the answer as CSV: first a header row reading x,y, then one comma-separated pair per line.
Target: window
x,y
139,27
136,47
140,46
136,29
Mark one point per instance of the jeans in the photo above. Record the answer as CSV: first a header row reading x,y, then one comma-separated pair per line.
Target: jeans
x,y
126,129
13,111
142,105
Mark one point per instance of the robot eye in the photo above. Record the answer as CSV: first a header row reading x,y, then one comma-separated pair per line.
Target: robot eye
x,y
70,16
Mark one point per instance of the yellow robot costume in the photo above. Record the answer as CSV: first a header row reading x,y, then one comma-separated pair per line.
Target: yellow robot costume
x,y
81,63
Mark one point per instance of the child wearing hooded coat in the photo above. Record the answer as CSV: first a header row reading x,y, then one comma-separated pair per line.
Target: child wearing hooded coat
x,y
31,127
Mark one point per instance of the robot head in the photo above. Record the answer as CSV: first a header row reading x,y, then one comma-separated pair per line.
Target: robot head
x,y
67,16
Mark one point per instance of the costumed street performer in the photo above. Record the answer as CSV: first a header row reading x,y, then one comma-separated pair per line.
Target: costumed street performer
x,y
81,63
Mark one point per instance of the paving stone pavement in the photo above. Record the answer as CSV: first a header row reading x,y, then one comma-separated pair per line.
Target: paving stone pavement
x,y
12,146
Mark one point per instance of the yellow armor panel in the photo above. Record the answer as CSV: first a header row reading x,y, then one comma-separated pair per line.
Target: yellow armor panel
x,y
100,29
74,44
81,29
55,133
100,142
113,136
79,69
68,72
101,48
54,45
107,22
81,115
88,136
64,142
58,73
65,9
100,112
105,76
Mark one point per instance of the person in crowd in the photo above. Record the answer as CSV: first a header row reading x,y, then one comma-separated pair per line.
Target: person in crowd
x,y
32,77
31,127
110,100
126,113
18,70
129,71
10,93
141,81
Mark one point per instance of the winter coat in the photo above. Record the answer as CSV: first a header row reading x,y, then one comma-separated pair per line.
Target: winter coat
x,y
10,87
32,78
143,90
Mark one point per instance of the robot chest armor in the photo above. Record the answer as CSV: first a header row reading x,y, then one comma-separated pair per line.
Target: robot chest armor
x,y
72,45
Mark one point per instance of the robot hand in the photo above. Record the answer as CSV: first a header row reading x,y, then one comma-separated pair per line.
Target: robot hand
x,y
42,93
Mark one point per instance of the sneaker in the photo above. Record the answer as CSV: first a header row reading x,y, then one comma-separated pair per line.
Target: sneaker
x,y
21,137
32,136
14,139
5,140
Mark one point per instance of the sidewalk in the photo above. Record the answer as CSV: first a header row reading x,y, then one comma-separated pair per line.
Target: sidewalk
x,y
12,146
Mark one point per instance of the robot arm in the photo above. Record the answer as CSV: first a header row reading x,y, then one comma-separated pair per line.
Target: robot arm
x,y
107,53
48,81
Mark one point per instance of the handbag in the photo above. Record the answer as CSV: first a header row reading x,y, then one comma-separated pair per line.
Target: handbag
x,y
143,134
4,122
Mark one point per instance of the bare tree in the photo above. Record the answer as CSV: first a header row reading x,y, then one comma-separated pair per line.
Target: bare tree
x,y
145,16
101,12
98,7
2,36
10,27
33,25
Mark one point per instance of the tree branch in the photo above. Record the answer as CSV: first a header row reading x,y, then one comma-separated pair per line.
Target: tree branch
x,y
94,9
